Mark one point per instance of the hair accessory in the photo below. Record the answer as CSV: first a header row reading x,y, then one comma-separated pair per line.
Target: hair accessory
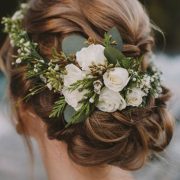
x,y
87,76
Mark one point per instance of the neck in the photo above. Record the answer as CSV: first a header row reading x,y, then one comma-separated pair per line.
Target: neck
x,y
60,167
58,164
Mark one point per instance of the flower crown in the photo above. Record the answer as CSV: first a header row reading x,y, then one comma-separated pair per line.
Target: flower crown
x,y
86,75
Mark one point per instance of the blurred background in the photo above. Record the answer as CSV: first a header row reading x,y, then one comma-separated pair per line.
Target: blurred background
x,y
14,159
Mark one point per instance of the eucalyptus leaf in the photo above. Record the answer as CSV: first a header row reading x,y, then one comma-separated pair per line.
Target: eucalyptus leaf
x,y
73,43
69,112
113,55
116,36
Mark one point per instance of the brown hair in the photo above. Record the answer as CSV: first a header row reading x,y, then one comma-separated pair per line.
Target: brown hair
x,y
120,138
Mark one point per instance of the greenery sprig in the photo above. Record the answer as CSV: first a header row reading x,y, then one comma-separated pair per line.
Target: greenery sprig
x,y
58,108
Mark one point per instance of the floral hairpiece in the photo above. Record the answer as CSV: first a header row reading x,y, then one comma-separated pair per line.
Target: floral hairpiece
x,y
86,75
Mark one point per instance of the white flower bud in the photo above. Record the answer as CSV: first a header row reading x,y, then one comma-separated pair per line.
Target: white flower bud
x,y
156,95
97,86
24,5
21,41
159,90
19,51
43,78
18,61
35,70
27,44
134,79
49,86
56,68
152,79
27,50
91,100
12,42
41,60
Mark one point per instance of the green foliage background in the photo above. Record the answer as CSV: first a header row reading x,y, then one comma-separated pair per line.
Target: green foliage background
x,y
164,13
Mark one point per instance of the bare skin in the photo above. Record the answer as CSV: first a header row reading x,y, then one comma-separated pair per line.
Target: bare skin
x,y
57,162
60,167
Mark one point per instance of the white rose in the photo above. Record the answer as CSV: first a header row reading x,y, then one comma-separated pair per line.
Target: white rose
x,y
116,78
73,75
73,98
110,101
135,97
94,54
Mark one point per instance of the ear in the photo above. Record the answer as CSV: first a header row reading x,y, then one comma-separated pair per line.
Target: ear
x,y
73,43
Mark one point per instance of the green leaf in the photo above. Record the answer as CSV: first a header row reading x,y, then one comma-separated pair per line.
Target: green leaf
x,y
69,113
113,55
126,63
116,36
73,43
58,108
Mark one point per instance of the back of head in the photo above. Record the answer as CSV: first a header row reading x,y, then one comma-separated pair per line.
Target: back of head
x,y
103,138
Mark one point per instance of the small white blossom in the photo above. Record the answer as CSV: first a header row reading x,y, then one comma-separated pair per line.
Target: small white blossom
x,y
24,6
97,86
12,42
27,51
147,81
146,90
152,79
134,79
21,41
56,67
19,51
159,89
85,97
43,78
27,44
49,86
91,100
35,70
18,61
42,61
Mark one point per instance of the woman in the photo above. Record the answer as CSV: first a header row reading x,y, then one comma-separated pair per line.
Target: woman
x,y
125,119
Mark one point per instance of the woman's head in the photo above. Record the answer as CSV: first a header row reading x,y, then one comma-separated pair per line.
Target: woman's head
x,y
120,139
